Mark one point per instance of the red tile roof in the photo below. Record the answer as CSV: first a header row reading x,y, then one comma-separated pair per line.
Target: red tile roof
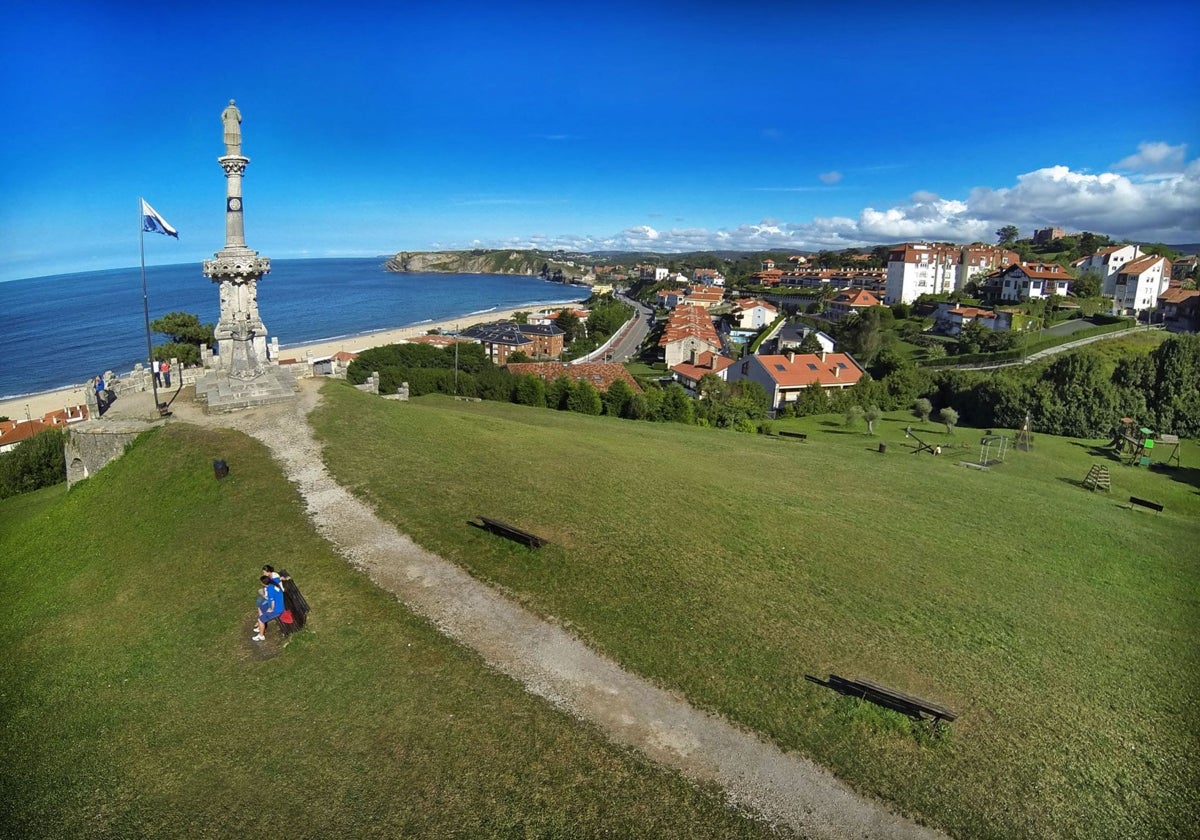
x,y
1178,295
1143,264
600,374
20,430
705,363
689,321
804,369
1042,271
857,297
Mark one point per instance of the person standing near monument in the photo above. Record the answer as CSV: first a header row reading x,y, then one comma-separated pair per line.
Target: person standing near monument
x,y
166,373
101,392
231,118
157,368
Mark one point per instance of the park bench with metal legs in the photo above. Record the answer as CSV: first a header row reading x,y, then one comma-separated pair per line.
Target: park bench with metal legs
x,y
1146,503
890,698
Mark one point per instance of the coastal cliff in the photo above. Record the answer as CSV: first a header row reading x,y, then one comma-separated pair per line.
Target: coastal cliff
x,y
480,262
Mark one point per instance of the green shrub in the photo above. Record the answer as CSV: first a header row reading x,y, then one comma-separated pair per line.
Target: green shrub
x,y
34,463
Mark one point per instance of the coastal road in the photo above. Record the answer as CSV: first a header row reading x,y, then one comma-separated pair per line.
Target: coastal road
x,y
629,339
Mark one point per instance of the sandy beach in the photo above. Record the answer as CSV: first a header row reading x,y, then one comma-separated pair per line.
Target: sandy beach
x,y
34,406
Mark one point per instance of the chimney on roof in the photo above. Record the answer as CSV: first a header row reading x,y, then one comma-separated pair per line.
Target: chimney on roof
x,y
694,357
837,372
791,357
822,354
712,361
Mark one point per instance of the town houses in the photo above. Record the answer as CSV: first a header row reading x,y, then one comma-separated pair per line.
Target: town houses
x,y
916,269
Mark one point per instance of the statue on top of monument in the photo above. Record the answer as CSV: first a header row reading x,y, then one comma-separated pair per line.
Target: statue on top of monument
x,y
232,119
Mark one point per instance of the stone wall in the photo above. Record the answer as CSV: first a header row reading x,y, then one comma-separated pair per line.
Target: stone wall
x,y
94,443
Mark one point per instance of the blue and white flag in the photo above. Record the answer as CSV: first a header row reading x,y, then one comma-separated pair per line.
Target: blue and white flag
x,y
155,223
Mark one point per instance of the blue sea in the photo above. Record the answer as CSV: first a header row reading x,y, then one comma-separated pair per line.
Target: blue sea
x,y
62,330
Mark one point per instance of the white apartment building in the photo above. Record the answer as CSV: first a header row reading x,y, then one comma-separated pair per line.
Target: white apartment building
x,y
916,269
1107,262
1138,284
920,269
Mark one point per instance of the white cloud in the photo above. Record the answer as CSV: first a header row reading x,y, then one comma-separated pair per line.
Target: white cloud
x,y
1163,208
830,177
1154,158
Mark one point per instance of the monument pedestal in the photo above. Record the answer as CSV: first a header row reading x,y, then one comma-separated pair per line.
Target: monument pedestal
x,y
222,392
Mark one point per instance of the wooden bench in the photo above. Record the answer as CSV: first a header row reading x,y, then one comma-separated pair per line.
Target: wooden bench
x,y
890,698
510,532
797,435
1154,506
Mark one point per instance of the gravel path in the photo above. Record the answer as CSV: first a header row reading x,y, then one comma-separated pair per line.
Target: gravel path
x,y
784,789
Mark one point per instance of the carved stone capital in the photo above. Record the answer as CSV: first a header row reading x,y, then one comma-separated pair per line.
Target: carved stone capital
x,y
233,164
236,268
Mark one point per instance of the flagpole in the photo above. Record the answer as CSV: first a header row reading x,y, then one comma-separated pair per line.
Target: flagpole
x,y
146,303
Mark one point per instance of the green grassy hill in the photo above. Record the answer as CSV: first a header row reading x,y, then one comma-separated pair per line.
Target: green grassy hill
x,y
1061,625
133,703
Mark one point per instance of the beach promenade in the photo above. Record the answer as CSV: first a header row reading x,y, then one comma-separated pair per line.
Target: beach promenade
x,y
35,406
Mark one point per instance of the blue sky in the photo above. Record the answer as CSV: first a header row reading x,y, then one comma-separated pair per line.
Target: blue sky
x,y
653,125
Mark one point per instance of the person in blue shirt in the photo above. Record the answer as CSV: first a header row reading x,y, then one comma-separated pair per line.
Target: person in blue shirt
x,y
270,606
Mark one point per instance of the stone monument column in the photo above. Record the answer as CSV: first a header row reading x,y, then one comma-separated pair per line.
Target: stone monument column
x,y
239,375
241,336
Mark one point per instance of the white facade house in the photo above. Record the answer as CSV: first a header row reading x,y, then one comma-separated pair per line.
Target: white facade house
x,y
1139,283
753,314
1107,262
1030,281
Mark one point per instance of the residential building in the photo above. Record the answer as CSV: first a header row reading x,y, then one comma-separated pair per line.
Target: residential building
x,y
976,260
874,279
15,432
689,330
855,300
752,314
950,319
689,373
1180,309
549,316
502,338
792,335
1139,284
785,376
916,269
768,276
1183,267
1031,281
708,277
1107,262
920,269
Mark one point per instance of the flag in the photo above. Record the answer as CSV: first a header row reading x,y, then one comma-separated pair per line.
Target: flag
x,y
155,223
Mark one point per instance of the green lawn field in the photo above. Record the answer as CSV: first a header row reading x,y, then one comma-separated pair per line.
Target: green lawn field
x,y
133,703
1061,625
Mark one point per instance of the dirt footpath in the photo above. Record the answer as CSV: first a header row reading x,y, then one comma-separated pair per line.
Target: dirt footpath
x,y
783,789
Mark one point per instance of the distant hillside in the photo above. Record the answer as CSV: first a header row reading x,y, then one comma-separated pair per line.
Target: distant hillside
x,y
481,261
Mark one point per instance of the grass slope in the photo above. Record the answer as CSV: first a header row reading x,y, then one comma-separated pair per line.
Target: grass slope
x,y
1061,625
133,703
